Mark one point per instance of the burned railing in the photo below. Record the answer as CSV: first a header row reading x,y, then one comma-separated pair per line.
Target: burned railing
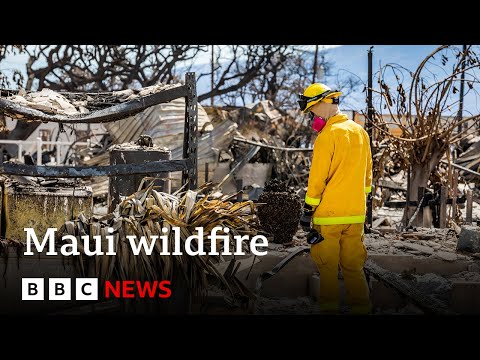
x,y
188,165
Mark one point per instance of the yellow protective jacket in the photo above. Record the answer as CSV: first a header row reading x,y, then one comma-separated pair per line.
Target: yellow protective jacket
x,y
341,173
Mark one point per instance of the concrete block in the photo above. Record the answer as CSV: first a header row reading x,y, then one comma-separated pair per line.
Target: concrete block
x,y
469,239
290,282
384,297
42,207
399,263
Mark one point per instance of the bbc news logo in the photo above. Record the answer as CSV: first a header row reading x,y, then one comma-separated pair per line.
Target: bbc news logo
x,y
87,289
59,289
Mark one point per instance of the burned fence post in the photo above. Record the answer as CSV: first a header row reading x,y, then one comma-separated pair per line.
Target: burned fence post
x,y
469,217
443,207
190,132
125,185
454,194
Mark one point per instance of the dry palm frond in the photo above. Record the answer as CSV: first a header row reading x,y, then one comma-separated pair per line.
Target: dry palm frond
x,y
146,213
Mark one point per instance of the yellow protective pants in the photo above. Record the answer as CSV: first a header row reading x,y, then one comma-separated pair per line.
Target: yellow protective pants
x,y
342,244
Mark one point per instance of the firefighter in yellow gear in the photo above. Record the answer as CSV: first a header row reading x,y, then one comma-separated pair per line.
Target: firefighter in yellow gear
x,y
340,178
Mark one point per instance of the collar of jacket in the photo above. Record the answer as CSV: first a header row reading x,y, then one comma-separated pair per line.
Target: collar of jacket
x,y
340,117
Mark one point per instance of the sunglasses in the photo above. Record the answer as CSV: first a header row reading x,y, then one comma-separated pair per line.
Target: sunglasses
x,y
304,100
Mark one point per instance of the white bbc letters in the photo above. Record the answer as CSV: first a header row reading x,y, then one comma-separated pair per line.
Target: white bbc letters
x,y
59,289
86,289
32,289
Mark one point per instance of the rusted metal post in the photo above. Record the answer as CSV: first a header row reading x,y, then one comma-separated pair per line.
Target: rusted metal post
x,y
121,186
469,217
189,176
369,126
239,183
443,207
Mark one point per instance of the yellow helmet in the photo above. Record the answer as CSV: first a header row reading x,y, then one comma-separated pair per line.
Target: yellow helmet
x,y
315,93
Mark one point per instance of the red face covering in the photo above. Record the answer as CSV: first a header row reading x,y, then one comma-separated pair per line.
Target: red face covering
x,y
318,123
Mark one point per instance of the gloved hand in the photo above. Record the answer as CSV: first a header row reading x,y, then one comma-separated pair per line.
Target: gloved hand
x,y
305,222
306,218
314,237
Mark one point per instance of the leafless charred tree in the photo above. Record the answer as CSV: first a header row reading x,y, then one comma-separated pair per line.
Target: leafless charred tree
x,y
270,72
236,66
105,67
422,105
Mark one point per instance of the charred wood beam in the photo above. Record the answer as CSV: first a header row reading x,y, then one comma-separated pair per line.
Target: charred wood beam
x,y
390,185
236,139
462,168
240,164
88,171
113,113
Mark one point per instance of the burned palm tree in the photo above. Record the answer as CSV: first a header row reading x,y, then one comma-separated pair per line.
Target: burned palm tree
x,y
148,212
424,107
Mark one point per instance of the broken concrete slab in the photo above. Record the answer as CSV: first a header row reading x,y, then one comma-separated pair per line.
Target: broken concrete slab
x,y
292,281
469,239
433,244
415,247
445,255
386,229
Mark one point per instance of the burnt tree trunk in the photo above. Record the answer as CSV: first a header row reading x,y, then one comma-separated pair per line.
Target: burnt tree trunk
x,y
420,174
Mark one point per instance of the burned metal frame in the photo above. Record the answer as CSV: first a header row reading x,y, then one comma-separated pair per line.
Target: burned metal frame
x,y
188,165
88,171
109,114
190,174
